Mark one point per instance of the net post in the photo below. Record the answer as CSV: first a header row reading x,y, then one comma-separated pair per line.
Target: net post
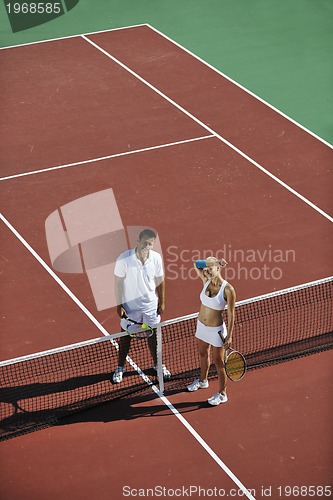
x,y
159,358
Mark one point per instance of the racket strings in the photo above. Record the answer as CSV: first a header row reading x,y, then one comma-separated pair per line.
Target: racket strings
x,y
139,331
235,366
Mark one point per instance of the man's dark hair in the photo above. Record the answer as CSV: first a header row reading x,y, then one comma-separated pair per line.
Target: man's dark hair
x,y
147,233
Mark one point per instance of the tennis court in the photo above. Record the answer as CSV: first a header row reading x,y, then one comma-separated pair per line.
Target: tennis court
x,y
212,168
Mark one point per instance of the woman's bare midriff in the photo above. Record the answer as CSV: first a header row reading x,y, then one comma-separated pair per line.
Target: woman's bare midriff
x,y
210,317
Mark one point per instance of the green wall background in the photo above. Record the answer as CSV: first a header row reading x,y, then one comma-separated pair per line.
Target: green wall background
x,y
279,49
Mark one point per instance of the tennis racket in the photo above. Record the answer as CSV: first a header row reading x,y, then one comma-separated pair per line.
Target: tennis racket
x,y
235,365
137,329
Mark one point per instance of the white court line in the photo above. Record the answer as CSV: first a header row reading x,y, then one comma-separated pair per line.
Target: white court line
x,y
189,52
70,36
203,443
116,155
54,276
183,110
106,333
165,400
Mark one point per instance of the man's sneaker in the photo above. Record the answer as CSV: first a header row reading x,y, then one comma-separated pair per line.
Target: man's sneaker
x,y
197,384
166,373
217,399
118,375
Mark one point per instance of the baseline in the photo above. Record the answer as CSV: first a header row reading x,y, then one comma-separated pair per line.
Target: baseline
x,y
189,52
68,37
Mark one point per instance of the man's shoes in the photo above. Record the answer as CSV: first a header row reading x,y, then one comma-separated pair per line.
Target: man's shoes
x,y
118,375
197,384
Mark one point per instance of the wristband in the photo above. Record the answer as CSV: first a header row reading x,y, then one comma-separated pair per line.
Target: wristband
x,y
200,264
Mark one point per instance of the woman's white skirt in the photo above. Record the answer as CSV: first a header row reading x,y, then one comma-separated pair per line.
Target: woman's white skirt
x,y
211,334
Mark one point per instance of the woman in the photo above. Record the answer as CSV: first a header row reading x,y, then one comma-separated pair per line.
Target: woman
x,y
211,330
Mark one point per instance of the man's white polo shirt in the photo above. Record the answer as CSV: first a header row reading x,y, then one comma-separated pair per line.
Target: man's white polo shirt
x,y
139,285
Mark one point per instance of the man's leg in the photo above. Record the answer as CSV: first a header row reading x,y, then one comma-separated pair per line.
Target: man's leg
x,y
124,347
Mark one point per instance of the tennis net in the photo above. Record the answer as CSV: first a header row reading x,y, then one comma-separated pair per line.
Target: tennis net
x,y
38,390
269,329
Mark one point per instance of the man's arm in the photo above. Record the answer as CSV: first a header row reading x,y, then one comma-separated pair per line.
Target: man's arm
x,y
160,290
119,295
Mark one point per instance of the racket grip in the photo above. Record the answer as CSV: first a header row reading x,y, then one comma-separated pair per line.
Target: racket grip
x,y
200,264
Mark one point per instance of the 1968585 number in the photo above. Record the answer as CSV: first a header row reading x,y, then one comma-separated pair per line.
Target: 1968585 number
x,y
34,8
302,491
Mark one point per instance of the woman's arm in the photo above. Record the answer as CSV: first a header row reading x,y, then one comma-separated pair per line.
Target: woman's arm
x,y
230,295
200,273
209,262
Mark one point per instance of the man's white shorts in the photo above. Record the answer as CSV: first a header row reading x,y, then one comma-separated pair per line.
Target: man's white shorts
x,y
149,317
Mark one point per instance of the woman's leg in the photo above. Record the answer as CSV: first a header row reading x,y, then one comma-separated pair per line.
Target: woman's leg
x,y
218,358
204,350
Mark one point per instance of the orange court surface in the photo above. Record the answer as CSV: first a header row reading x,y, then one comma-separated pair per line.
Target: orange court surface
x,y
212,168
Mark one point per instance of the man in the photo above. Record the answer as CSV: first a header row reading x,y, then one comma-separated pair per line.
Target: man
x,y
140,293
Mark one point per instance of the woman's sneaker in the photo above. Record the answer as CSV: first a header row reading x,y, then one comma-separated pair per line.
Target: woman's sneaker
x,y
217,399
197,384
166,373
